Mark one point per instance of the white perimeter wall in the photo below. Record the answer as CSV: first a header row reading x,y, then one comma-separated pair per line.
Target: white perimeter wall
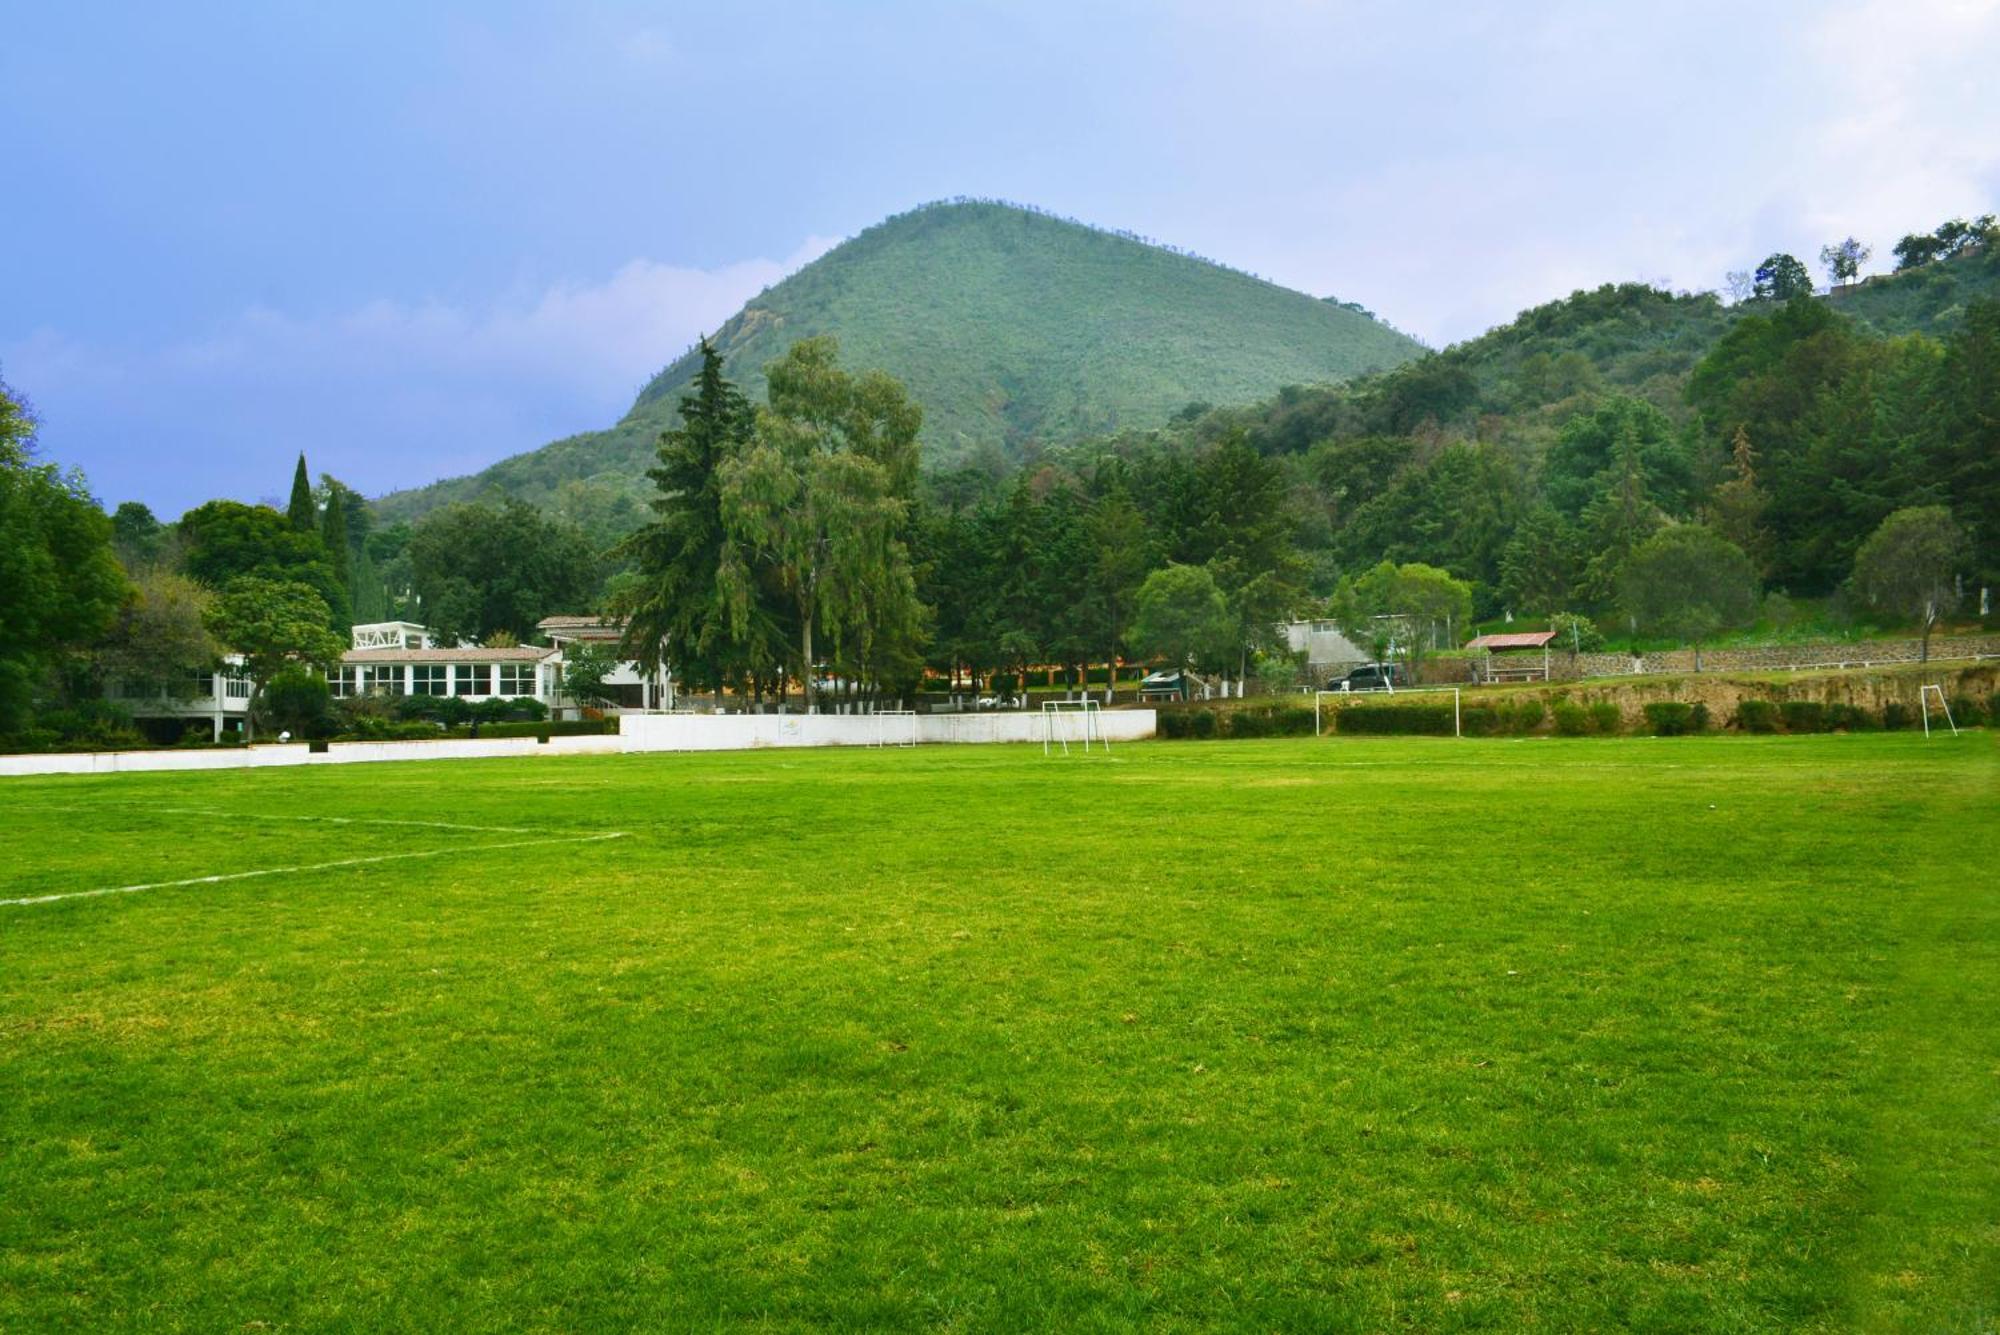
x,y
742,732
636,732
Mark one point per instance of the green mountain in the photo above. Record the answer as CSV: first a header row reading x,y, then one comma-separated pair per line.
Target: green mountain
x,y
1009,326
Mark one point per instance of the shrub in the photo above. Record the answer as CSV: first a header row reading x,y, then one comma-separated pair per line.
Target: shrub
x,y
1848,718
1803,715
1669,718
495,710
1528,715
1273,720
1896,716
1966,711
1394,719
1480,721
1201,723
1606,718
1756,716
1993,708
1698,717
1572,720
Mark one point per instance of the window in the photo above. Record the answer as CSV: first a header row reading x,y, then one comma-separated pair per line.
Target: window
x,y
517,679
387,679
344,681
472,679
201,686
427,679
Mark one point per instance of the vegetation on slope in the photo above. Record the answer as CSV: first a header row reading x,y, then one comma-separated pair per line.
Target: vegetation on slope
x,y
1010,326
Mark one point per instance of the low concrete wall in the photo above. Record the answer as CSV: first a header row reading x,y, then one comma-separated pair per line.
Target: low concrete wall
x,y
741,732
637,732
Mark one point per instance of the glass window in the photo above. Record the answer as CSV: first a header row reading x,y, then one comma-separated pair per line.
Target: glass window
x,y
387,678
201,685
344,681
517,679
427,679
472,679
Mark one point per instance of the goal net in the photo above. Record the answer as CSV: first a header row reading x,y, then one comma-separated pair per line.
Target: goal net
x,y
895,727
1066,721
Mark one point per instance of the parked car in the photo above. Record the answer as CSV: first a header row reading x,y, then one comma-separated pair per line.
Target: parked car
x,y
1371,677
1164,681
999,702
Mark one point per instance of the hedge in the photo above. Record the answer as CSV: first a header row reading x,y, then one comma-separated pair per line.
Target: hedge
x,y
1394,719
1670,718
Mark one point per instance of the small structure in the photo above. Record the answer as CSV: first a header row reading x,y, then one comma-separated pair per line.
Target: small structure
x,y
1512,656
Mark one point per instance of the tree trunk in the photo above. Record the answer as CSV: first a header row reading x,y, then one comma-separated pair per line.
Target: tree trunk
x,y
806,648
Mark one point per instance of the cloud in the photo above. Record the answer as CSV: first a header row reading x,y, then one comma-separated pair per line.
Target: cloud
x,y
385,394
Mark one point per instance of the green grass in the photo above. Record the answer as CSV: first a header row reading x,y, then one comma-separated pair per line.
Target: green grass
x,y
1336,1035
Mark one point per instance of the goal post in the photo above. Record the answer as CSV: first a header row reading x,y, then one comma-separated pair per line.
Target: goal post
x,y
1081,720
895,727
1924,694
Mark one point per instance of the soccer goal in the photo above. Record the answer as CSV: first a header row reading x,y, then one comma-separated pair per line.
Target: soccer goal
x,y
895,727
1064,721
1924,694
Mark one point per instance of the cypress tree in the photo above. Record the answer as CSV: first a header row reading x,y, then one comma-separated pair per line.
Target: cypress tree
x,y
333,532
302,511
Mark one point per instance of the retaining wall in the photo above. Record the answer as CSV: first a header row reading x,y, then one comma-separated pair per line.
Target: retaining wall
x,y
1777,657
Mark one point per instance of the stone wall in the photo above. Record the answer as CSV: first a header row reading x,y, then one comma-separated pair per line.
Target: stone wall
x,y
1776,657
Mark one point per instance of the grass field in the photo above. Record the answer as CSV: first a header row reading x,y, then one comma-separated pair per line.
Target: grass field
x,y
1666,1035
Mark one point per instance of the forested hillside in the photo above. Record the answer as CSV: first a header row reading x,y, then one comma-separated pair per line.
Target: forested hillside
x,y
1011,327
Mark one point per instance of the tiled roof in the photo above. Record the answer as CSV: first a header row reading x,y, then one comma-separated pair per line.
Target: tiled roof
x,y
579,623
522,653
1525,639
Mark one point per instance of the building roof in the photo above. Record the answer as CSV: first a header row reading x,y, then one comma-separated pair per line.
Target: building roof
x,y
1521,639
520,653
579,623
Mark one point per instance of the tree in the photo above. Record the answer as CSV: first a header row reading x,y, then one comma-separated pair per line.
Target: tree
x,y
676,610
225,541
1909,566
1542,566
139,539
1690,584
1120,556
818,504
302,512
161,635
1181,618
1782,277
333,535
1402,608
477,568
274,624
1843,260
585,666
60,584
1736,507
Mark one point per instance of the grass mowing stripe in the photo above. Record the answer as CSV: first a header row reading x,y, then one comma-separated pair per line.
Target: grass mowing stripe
x,y
306,867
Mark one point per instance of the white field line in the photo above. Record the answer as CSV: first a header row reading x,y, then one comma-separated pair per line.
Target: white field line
x,y
337,820
313,866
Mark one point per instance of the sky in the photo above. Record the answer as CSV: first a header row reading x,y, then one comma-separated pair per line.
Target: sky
x,y
411,239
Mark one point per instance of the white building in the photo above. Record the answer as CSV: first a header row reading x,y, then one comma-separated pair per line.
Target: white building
x,y
220,698
403,658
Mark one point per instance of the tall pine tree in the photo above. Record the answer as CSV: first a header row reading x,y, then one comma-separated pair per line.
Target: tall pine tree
x,y
302,512
675,612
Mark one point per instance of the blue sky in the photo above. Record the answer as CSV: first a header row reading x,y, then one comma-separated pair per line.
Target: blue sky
x,y
412,239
